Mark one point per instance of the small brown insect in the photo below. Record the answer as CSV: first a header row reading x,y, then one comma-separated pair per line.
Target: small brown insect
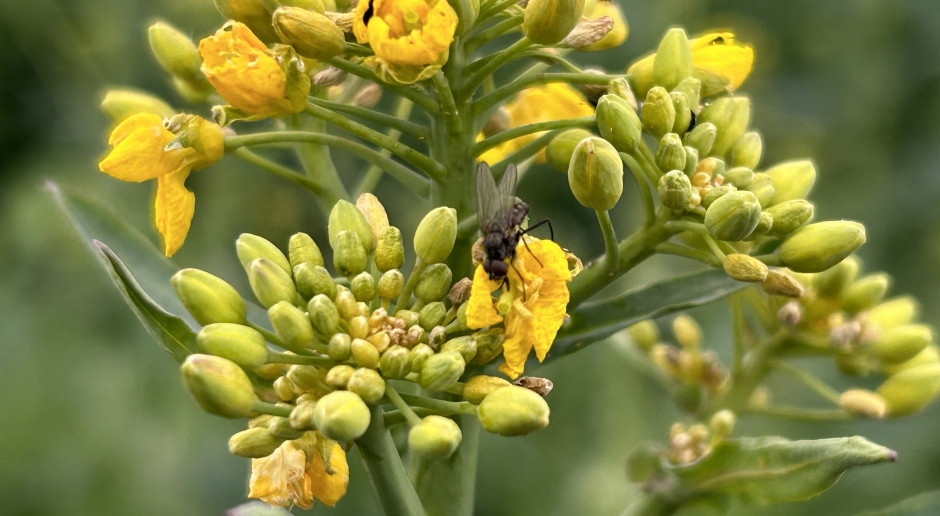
x,y
540,386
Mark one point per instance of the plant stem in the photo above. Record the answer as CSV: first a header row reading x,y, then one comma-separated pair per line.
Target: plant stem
x,y
410,284
421,100
288,358
810,381
386,472
277,169
270,408
318,164
484,103
397,123
372,176
643,186
687,252
802,414
611,254
441,406
522,130
466,92
401,405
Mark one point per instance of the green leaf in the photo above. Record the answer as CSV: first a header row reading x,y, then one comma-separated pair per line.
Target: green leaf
x,y
591,322
773,469
170,331
922,504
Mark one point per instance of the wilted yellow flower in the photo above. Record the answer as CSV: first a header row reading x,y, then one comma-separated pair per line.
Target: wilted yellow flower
x,y
618,34
410,38
144,147
249,77
536,311
289,476
556,101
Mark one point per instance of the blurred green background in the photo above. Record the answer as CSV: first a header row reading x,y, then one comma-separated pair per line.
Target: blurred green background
x,y
96,421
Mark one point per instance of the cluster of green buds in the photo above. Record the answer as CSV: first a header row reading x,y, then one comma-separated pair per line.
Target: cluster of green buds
x,y
689,444
347,338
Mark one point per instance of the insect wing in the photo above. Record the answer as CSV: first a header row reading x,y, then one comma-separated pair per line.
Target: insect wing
x,y
488,197
507,189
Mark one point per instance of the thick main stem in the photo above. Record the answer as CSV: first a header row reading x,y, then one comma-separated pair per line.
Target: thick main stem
x,y
386,471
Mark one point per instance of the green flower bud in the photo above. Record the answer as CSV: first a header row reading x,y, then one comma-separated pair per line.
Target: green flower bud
x,y
713,195
359,327
792,180
254,443
389,252
894,312
219,385
364,354
745,268
596,174
323,314
692,88
282,428
702,137
251,247
346,303
395,362
731,116
409,317
902,343
909,390
739,177
747,150
763,187
658,114
176,53
434,283
209,299
930,355
547,22
673,61
349,255
240,344
285,389
391,284
346,217
865,403
816,247
675,190
790,216
687,332
479,387
434,438
301,417
302,249
671,154
722,424
489,345
617,123
441,371
431,315
513,411
375,214
119,104
250,12
418,355
363,287
680,103
645,334
368,384
340,347
733,216
691,160
341,416
270,283
780,283
313,280
338,376
466,346
312,34
865,293
764,224
292,326
619,87
559,150
305,377
830,283
436,234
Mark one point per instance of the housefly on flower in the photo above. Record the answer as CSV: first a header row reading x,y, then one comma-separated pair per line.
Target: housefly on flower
x,y
500,215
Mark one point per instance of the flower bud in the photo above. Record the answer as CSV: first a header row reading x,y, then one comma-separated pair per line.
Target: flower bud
x,y
658,114
346,217
675,190
687,332
304,377
270,283
722,424
301,417
374,212
368,384
780,283
281,428
364,354
702,137
311,34
680,103
119,104
395,362
219,385
389,252
512,411
434,438
380,340
240,344
434,283
292,326
619,87
436,234
391,284
547,22
418,355
745,268
730,115
466,346
442,370
341,416
792,180
209,299
338,376
894,312
692,88
409,317
349,255
865,293
479,387
617,123
358,327
330,76
431,315
747,150
673,60
284,389
816,247
559,150
763,187
489,345
830,283
739,177
763,225
254,443
902,343
323,314
732,217
302,249
713,194
251,247
644,334
865,403
671,154
790,216
313,280
250,12
363,287
595,174
909,390
176,53
691,160
368,96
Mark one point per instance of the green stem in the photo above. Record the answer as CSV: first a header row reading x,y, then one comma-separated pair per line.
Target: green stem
x,y
814,384
611,254
318,164
650,160
449,110
264,407
268,335
421,100
801,414
678,226
372,176
410,284
687,252
386,472
754,369
715,247
289,358
278,169
486,102
441,406
527,151
522,130
468,226
643,186
475,80
401,405
397,123
739,329
446,486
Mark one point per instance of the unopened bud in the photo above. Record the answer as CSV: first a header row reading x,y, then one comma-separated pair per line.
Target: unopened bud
x,y
512,411
902,343
713,194
763,225
346,217
780,283
618,123
389,252
559,150
675,190
441,371
434,283
302,249
547,22
323,314
349,254
434,438
747,150
731,116
368,96
311,34
330,76
671,154
722,424
436,234
460,292
739,177
284,389
595,174
208,298
733,216
790,314
894,312
831,282
790,216
659,113
743,267
363,287
909,390
338,376
865,403
673,61
254,443
250,247
292,326
375,214
395,362
865,293
391,284
408,317
687,332
489,345
431,315
702,137
270,283
301,417
176,53
119,104
240,344
691,160
281,428
588,32
364,354
763,187
620,87
644,334
792,180
692,88
313,280
466,346
305,377
479,387
341,416
816,247
418,355
368,384
219,385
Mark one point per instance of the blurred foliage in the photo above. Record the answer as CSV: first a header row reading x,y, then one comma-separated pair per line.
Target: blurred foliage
x,y
96,420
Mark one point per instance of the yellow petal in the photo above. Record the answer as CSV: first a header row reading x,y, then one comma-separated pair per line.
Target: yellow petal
x,y
138,150
280,479
480,310
326,487
173,208
718,54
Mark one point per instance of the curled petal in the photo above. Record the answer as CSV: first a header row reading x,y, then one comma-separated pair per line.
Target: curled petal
x,y
327,487
138,150
173,209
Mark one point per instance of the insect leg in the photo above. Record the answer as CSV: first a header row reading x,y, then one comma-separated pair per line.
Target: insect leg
x,y
551,230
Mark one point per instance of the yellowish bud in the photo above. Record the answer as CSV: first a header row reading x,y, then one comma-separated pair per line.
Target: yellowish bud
x,y
346,217
219,385
683,108
687,331
312,280
395,362
792,180
866,292
816,247
659,113
270,283
739,177
208,298
338,376
902,343
435,235
645,334
389,252
746,151
512,411
743,267
831,282
722,424
176,53
780,283
675,190
865,403
788,216
250,12
374,212
547,22
302,249
418,356
254,443
434,438
673,60
341,416
731,116
595,174
732,217
363,287
909,390
617,123
368,384
441,371
480,386
489,345
559,150
240,344
292,326
671,154
894,312
620,87
434,283
119,104
349,254
364,353
312,34
250,247
323,315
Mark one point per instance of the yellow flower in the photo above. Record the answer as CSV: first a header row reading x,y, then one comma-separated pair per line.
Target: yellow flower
x,y
249,77
144,147
410,38
719,62
556,101
293,476
535,312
